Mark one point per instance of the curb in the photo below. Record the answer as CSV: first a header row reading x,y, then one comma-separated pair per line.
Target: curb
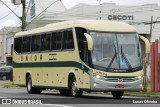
x,y
135,95
142,95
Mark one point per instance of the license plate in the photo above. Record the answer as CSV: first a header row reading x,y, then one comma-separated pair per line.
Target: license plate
x,y
119,86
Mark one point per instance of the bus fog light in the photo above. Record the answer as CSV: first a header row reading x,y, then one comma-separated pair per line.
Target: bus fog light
x,y
94,84
141,85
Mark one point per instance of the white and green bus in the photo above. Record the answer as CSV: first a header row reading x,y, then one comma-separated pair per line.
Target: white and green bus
x,y
81,55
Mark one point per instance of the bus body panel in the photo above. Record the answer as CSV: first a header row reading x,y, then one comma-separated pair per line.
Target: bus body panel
x,y
46,72
109,81
52,68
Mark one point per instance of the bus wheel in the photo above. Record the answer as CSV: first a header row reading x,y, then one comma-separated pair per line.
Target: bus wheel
x,y
4,77
30,88
73,87
117,94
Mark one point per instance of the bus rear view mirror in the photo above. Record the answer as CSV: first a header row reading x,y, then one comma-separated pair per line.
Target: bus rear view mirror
x,y
147,44
89,41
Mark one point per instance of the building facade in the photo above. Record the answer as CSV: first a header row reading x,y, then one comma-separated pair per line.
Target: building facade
x,y
138,16
50,11
6,42
40,8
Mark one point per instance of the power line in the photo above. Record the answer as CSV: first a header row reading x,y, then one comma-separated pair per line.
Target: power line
x,y
10,9
39,5
8,14
42,12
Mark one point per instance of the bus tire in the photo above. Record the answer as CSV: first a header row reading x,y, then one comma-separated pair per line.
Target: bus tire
x,y
73,88
117,94
4,77
30,88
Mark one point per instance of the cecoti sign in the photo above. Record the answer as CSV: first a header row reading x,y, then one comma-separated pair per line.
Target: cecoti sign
x,y
120,17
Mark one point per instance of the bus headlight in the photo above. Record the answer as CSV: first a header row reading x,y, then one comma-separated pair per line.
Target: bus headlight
x,y
141,85
139,77
98,76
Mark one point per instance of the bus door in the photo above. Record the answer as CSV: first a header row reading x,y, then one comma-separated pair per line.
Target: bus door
x,y
83,54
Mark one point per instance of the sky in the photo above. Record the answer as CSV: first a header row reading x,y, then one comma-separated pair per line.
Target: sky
x,y
71,3
8,19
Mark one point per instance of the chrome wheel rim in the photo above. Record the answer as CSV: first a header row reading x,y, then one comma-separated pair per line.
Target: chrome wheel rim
x,y
4,78
74,88
29,85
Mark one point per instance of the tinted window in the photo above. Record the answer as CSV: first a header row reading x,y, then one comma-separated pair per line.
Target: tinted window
x,y
26,44
59,40
68,42
53,41
82,44
35,43
45,42
56,41
65,36
18,44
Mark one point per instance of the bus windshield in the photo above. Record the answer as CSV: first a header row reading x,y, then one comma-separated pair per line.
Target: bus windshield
x,y
116,52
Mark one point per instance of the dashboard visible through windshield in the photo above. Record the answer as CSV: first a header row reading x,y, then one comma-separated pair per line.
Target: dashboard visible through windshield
x,y
116,52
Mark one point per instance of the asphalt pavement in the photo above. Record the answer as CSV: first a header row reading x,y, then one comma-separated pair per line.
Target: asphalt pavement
x,y
54,99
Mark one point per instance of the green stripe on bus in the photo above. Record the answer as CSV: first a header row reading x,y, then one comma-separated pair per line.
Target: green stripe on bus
x,y
51,64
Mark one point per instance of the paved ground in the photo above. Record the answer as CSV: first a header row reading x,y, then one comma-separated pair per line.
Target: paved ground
x,y
54,99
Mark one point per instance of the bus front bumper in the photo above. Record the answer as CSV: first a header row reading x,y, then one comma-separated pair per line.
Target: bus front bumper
x,y
102,85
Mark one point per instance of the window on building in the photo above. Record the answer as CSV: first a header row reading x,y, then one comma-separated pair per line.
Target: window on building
x,y
18,44
35,43
26,44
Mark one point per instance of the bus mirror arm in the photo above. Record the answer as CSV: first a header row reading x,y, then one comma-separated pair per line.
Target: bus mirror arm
x,y
89,41
147,44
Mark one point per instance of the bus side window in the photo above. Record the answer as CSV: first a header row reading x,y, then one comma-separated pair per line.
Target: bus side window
x,y
82,44
59,41
65,39
53,41
35,43
26,44
68,42
48,42
18,44
45,42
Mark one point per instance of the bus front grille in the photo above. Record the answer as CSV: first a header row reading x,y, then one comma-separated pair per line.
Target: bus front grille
x,y
120,79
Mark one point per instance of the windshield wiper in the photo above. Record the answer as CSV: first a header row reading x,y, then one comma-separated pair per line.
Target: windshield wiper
x,y
115,56
126,60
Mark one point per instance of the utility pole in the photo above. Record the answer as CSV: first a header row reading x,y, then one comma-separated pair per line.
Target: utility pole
x,y
23,18
151,26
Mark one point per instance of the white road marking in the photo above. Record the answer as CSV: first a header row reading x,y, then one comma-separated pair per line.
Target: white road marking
x,y
2,97
57,105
